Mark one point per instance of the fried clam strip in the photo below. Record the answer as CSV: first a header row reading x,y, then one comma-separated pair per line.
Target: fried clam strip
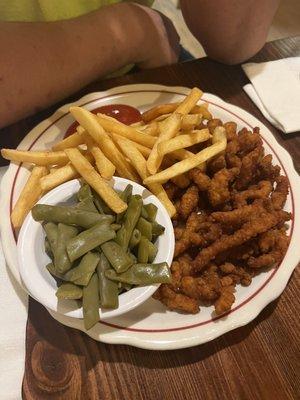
x,y
176,301
236,274
266,170
230,128
218,191
259,191
192,224
198,232
180,268
225,301
274,256
280,193
249,168
262,223
189,201
248,140
200,179
239,215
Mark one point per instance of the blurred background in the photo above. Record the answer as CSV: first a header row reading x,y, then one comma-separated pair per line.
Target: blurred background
x,y
286,23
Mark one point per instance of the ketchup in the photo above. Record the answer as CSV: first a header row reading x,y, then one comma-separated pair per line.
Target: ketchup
x,y
122,112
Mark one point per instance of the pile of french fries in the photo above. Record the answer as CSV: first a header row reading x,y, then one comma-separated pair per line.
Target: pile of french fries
x,y
150,152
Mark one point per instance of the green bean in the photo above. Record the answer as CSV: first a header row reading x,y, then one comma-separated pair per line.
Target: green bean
x,y
142,274
81,274
51,230
144,213
115,227
126,286
89,239
48,249
61,259
86,205
143,250
68,215
51,268
107,288
118,258
157,230
90,303
130,220
152,251
151,211
146,251
84,193
125,196
145,227
101,205
123,287
135,238
69,291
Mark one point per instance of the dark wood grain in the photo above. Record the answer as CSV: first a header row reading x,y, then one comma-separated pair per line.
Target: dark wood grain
x,y
257,361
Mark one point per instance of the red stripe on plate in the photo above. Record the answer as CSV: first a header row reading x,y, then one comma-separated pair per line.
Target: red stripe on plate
x,y
203,322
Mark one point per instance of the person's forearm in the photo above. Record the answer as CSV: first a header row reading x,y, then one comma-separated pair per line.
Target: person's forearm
x,y
231,31
41,63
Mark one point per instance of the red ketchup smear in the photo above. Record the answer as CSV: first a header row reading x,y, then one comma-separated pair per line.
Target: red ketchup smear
x,y
123,113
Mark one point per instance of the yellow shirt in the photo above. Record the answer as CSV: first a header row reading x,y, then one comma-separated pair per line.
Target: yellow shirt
x,y
56,10
52,10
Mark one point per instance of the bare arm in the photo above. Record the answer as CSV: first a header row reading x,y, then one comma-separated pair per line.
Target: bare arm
x,y
231,31
43,62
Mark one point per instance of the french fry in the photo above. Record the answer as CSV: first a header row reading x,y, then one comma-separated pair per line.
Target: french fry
x,y
159,110
105,167
150,129
190,101
183,154
182,141
162,117
168,129
143,149
73,140
61,175
111,125
89,122
30,194
87,171
219,144
134,155
55,178
42,158
156,111
138,124
139,162
189,121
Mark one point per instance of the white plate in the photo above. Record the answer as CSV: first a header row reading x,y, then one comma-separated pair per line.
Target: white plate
x,y
151,326
33,258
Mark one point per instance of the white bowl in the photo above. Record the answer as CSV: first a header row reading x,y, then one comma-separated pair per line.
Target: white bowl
x,y
33,258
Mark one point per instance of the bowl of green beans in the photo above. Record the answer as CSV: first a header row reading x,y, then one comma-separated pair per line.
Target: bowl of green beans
x,y
80,259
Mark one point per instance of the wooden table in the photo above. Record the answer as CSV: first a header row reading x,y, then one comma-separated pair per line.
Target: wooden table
x,y
257,361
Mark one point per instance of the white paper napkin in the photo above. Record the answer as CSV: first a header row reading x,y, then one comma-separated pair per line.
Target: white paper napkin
x,y
275,90
13,319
